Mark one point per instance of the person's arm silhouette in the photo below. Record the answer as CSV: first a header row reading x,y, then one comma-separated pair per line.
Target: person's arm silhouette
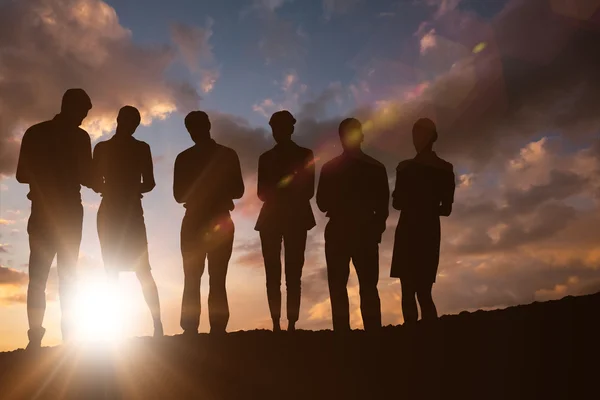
x,y
181,184
324,190
382,201
308,187
237,181
448,192
399,194
98,167
26,159
148,182
87,175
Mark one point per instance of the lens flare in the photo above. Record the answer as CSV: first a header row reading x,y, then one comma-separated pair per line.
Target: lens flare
x,y
98,316
285,181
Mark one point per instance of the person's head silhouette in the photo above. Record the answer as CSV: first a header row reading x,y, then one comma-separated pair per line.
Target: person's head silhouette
x,y
424,134
128,120
351,134
198,125
282,125
75,106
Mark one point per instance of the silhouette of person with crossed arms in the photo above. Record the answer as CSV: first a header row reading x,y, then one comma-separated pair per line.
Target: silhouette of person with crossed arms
x,y
424,191
207,178
286,183
353,191
55,160
123,165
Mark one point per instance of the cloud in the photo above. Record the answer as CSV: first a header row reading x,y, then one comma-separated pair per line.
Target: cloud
x,y
193,43
531,78
270,5
291,92
48,46
12,284
283,41
6,221
9,276
428,41
331,7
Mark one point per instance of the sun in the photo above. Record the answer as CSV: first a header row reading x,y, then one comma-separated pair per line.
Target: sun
x,y
98,315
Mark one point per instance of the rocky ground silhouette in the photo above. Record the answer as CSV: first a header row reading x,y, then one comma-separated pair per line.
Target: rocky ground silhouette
x,y
537,351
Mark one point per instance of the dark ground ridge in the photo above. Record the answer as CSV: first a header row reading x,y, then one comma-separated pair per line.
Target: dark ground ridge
x,y
541,350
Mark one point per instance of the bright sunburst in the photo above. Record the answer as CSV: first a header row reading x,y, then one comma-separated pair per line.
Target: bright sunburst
x,y
98,315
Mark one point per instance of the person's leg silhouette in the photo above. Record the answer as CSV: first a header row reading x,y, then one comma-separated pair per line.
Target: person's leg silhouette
x,y
337,255
366,261
67,255
295,246
193,251
150,292
409,302
218,261
428,310
271,250
41,254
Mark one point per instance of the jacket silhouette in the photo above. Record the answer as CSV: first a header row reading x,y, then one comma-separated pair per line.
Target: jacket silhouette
x,y
286,183
424,191
123,166
353,191
207,178
55,160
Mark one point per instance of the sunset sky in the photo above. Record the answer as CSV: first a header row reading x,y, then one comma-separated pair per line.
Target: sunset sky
x,y
514,87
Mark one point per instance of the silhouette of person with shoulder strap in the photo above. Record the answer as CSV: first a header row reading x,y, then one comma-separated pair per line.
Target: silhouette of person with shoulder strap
x,y
353,191
124,167
55,160
424,191
286,183
207,179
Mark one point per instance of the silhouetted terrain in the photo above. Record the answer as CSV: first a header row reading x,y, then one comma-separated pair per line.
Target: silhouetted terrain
x,y
543,350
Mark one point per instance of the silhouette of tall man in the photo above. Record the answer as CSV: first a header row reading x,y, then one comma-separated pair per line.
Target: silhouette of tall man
x,y
123,165
353,191
55,160
207,179
424,191
286,183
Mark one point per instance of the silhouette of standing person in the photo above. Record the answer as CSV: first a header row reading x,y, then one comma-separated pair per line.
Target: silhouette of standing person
x,y
55,160
424,191
286,183
123,165
353,191
207,179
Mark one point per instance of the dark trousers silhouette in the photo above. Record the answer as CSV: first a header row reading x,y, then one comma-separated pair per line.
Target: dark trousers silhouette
x,y
410,293
53,233
212,241
294,241
343,244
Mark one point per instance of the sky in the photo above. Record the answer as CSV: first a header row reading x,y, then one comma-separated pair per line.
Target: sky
x,y
513,86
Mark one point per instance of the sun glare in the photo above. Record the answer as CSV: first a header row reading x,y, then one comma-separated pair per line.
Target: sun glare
x,y
98,316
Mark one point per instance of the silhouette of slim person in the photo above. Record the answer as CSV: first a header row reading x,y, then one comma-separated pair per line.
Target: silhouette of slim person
x,y
55,160
123,165
207,179
353,191
286,183
424,191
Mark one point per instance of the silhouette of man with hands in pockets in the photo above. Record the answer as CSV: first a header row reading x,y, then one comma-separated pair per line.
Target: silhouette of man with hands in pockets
x,y
286,183
124,168
207,178
55,160
353,191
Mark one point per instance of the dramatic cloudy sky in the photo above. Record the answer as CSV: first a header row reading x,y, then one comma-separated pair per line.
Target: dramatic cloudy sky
x,y
513,85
